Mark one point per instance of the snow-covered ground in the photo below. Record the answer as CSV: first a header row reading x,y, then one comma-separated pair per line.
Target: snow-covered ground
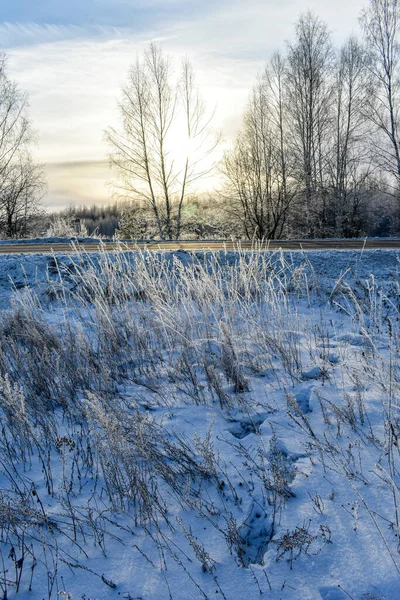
x,y
324,268
190,425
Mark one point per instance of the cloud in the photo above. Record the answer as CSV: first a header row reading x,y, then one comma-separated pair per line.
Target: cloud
x,y
14,35
73,85
77,183
17,34
136,14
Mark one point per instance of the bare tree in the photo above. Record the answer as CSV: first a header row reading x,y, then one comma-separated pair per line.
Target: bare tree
x,y
350,164
20,196
309,88
21,180
276,97
380,22
257,183
165,139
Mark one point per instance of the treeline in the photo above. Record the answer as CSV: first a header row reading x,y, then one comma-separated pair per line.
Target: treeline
x,y
317,153
208,216
92,220
204,217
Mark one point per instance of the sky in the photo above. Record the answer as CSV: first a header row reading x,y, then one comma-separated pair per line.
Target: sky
x,y
72,57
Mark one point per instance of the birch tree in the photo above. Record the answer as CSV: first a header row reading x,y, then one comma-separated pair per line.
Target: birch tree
x,y
309,85
21,179
165,141
381,22
256,171
350,161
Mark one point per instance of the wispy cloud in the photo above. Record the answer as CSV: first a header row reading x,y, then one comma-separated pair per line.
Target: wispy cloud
x,y
14,35
137,14
17,34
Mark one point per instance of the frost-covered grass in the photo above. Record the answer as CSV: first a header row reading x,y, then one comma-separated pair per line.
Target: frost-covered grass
x,y
199,426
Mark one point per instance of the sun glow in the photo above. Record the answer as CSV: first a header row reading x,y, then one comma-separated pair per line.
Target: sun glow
x,y
196,153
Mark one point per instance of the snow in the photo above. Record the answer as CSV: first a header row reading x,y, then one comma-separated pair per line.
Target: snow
x,y
300,449
353,267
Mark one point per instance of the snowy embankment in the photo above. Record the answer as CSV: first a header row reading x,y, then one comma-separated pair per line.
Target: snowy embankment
x,y
181,425
323,268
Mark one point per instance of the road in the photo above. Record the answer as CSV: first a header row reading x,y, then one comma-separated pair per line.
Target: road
x,y
67,248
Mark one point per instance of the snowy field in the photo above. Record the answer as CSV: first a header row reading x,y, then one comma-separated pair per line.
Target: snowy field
x,y
196,425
